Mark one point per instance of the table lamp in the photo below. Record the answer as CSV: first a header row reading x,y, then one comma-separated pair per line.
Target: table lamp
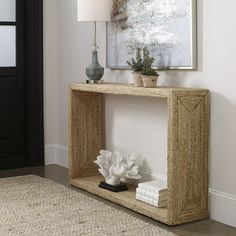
x,y
94,11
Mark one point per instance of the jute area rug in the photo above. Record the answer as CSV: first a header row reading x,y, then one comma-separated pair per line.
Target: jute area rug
x,y
31,205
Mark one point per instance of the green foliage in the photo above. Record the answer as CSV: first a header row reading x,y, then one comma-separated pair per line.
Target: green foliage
x,y
143,62
147,64
147,59
136,63
150,72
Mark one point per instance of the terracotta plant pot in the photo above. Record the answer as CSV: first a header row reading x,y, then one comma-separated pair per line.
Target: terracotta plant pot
x,y
150,81
137,77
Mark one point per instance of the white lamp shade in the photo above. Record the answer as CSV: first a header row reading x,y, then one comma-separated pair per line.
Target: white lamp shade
x,y
94,10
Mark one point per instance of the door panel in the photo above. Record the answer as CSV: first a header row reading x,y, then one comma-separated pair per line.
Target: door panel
x,y
7,10
12,123
7,46
8,107
12,85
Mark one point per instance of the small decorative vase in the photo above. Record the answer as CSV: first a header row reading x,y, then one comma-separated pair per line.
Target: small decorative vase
x,y
137,77
150,81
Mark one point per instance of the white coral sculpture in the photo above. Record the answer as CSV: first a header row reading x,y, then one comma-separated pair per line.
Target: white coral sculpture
x,y
115,166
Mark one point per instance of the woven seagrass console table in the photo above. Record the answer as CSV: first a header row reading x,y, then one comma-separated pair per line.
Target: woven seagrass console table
x,y
187,158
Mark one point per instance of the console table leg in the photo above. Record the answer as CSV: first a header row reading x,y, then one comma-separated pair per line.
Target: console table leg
x,y
86,132
188,156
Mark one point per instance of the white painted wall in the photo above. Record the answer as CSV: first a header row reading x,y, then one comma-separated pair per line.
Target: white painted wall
x,y
50,70
50,79
140,124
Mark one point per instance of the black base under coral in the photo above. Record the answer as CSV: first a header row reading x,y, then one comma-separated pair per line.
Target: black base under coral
x,y
117,188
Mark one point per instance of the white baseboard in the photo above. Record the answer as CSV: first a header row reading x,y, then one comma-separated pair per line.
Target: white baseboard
x,y
222,205
56,154
148,175
50,154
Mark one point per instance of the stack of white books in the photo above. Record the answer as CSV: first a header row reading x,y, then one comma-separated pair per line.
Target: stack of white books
x,y
154,193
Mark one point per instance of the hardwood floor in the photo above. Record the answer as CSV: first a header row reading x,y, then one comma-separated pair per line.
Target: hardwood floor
x,y
60,175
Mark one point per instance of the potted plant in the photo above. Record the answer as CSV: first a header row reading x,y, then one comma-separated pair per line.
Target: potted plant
x,y
149,78
149,75
136,65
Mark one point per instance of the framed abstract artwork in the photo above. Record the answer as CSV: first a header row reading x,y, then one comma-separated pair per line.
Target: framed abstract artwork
x,y
166,27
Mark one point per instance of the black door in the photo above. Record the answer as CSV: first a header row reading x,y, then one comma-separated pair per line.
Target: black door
x,y
17,43
12,85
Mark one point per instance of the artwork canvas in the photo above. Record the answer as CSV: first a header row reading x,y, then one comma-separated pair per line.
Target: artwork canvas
x,y
166,27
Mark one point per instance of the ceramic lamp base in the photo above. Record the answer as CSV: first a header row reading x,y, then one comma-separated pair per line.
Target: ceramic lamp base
x,y
95,71
117,188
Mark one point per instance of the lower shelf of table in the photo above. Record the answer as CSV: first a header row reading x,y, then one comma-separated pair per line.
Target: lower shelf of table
x,y
126,199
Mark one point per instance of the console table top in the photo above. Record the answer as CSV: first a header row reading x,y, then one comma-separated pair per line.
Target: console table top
x,y
130,89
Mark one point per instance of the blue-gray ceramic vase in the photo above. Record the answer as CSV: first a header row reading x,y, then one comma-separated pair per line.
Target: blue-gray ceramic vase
x,y
95,71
